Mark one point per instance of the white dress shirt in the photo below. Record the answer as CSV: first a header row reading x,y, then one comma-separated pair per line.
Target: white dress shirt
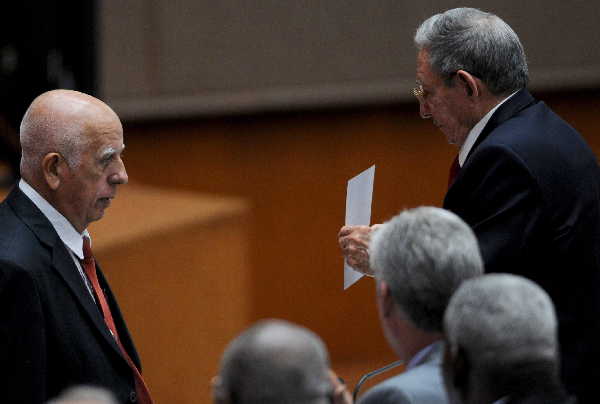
x,y
72,239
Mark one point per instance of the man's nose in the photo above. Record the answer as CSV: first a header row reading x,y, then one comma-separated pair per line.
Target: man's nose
x,y
119,177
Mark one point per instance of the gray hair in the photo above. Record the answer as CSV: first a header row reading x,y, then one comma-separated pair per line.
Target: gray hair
x,y
478,42
274,362
502,321
85,394
423,254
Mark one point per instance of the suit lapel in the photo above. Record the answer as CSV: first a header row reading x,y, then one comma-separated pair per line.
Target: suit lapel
x,y
61,260
518,102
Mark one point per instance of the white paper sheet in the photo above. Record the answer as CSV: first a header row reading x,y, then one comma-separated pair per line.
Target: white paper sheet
x,y
359,196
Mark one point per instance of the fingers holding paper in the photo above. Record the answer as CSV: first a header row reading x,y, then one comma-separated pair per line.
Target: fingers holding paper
x,y
354,243
340,394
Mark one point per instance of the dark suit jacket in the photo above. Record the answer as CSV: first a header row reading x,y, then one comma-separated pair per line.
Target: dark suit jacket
x,y
52,334
530,190
551,396
421,384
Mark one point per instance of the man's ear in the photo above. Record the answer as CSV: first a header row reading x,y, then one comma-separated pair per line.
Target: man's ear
x,y
53,169
385,299
469,82
219,394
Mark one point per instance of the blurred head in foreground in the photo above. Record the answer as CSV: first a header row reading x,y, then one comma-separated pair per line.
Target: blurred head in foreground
x,y
420,257
274,362
84,395
501,342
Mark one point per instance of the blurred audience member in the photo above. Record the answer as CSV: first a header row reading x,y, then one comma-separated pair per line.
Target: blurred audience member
x,y
85,395
501,333
419,257
277,362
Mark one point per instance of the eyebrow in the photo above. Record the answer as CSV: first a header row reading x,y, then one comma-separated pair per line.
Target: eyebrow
x,y
109,152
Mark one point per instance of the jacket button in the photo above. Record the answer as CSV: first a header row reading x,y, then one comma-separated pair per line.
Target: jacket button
x,y
132,397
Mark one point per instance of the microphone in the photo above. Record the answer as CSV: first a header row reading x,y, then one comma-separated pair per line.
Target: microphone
x,y
372,373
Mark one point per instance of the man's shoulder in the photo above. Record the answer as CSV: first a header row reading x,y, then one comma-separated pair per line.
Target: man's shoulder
x,y
535,126
421,384
536,138
18,243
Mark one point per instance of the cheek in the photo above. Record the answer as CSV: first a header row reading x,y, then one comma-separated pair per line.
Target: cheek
x,y
440,111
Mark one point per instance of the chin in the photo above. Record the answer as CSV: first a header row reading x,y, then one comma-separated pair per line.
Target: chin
x,y
452,138
96,217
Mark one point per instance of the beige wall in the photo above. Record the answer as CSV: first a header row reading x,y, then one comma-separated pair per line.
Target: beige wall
x,y
180,58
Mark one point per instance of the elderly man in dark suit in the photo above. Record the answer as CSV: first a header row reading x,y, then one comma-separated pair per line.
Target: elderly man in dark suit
x,y
60,324
524,179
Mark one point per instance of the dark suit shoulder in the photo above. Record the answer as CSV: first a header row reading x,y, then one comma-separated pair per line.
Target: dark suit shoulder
x,y
539,136
541,145
421,384
19,243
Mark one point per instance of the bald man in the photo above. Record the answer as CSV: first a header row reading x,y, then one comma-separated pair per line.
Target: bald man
x,y
60,324
277,362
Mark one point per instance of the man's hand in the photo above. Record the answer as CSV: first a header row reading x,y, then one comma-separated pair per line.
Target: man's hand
x,y
354,242
340,392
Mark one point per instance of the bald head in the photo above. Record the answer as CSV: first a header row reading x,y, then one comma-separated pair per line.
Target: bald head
x,y
59,121
84,395
72,145
274,362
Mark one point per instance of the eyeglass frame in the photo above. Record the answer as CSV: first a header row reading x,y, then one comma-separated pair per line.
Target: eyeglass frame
x,y
419,93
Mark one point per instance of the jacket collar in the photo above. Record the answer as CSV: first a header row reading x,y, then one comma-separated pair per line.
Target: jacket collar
x,y
521,100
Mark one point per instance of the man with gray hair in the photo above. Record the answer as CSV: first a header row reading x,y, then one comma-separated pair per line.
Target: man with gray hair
x,y
277,362
420,257
523,179
60,324
501,343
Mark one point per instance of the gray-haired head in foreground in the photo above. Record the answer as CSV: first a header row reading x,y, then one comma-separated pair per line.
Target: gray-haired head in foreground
x,y
423,254
502,320
274,362
85,395
480,43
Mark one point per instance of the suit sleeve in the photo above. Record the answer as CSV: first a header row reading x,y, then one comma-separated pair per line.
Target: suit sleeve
x,y
22,342
501,200
384,395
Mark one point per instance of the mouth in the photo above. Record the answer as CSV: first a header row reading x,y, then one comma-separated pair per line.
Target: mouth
x,y
105,201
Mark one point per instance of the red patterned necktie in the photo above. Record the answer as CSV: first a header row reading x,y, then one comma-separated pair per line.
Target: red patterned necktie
x,y
89,266
454,169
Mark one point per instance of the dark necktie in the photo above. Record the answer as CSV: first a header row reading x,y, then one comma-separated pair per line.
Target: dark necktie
x,y
89,266
454,169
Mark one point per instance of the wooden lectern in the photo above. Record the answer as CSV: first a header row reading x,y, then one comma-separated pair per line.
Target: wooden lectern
x,y
178,264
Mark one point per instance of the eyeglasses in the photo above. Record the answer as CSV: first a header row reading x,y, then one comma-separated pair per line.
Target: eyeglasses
x,y
418,92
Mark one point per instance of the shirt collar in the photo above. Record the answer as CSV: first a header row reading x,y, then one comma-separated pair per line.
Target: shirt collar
x,y
476,131
422,355
65,230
